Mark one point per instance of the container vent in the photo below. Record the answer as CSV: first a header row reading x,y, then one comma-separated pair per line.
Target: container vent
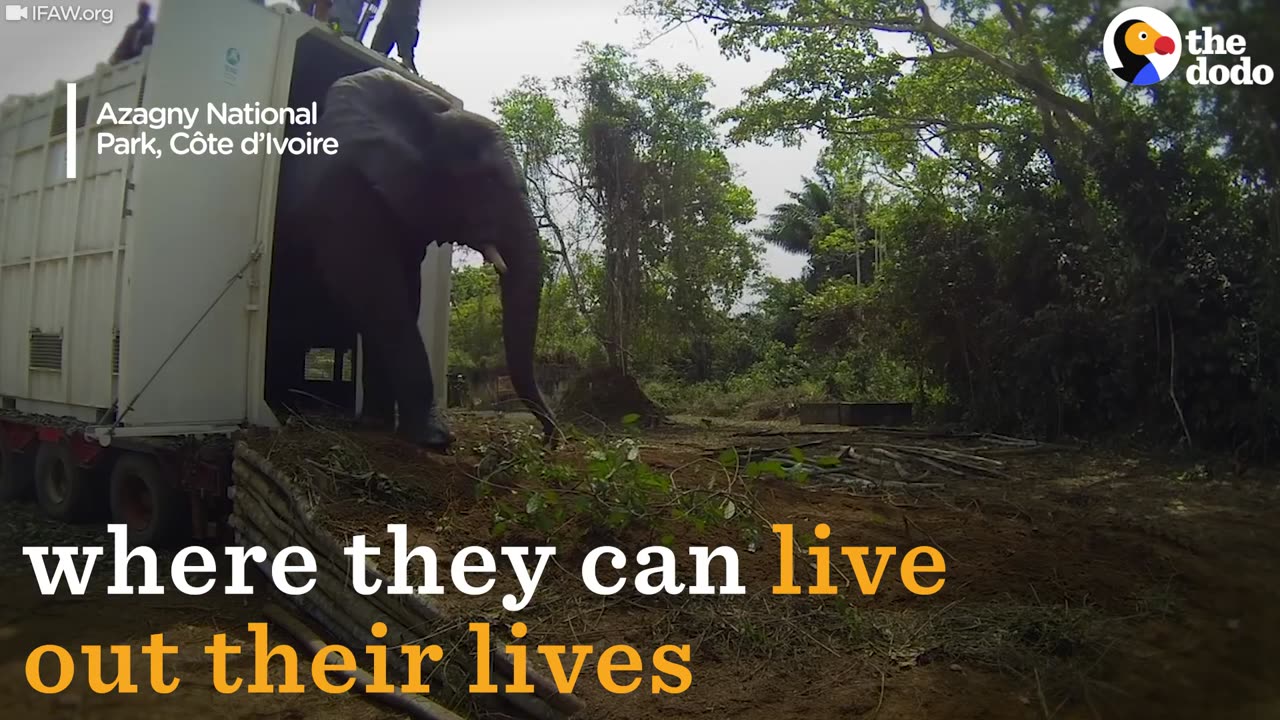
x,y
115,352
46,351
58,122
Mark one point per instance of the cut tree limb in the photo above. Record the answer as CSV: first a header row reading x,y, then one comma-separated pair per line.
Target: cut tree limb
x,y
416,707
272,509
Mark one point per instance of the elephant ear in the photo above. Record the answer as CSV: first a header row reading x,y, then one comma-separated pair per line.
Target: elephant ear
x,y
386,127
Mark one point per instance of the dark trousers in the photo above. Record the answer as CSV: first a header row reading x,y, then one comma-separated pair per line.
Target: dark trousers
x,y
399,29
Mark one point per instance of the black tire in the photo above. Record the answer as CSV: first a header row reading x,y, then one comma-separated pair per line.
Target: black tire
x,y
156,510
16,477
64,490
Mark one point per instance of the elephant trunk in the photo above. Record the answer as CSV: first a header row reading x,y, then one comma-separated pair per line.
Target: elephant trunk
x,y
521,296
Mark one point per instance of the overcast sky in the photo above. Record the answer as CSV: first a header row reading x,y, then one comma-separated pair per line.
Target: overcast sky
x,y
476,50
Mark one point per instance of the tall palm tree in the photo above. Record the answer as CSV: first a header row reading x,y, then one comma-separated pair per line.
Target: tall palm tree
x,y
793,226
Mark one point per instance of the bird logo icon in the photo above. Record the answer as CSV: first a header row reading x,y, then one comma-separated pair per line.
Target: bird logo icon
x,y
1142,46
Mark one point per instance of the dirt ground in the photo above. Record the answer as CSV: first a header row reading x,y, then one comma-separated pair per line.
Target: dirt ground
x,y
1079,584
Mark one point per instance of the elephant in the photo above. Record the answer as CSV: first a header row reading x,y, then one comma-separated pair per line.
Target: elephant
x,y
411,169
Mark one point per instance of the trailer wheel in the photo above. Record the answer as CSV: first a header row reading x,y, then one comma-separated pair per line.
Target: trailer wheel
x,y
64,490
157,512
16,481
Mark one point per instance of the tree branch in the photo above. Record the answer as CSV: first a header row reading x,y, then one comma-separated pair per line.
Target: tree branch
x,y
1021,75
925,26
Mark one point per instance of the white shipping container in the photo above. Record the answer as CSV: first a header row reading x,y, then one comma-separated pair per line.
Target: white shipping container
x,y
138,287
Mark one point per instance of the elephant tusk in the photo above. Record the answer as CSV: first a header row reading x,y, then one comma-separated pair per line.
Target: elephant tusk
x,y
492,255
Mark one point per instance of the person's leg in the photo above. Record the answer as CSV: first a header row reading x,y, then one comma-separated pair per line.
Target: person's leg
x,y
346,15
385,36
398,29
407,45
405,38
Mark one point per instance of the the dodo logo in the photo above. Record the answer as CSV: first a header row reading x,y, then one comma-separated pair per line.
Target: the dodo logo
x,y
1142,46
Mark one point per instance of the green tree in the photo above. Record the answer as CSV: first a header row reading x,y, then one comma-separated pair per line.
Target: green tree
x,y
630,177
828,220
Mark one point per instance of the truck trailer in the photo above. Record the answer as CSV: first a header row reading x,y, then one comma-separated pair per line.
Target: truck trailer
x,y
136,290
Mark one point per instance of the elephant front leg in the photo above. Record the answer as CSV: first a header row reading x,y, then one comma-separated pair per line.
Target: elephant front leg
x,y
413,418
374,289
379,406
366,273
408,369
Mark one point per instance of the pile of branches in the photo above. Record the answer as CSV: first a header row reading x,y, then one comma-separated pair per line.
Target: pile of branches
x,y
273,510
899,467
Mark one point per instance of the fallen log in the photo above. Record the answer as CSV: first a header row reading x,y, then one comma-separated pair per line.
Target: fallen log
x,y
887,453
1008,440
747,452
272,508
932,452
939,466
351,616
895,485
956,463
403,627
415,706
323,613
325,547
853,458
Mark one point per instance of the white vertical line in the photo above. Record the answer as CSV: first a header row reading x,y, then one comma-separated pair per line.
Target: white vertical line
x,y
71,131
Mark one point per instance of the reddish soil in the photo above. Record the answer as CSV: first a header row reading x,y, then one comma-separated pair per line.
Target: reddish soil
x,y
1079,584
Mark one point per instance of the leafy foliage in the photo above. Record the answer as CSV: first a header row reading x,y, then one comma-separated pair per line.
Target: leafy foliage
x,y
641,205
613,492
475,324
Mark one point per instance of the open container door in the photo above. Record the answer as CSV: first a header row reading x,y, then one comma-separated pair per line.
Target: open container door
x,y
186,313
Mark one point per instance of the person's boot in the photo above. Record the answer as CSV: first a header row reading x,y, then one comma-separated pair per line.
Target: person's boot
x,y
406,54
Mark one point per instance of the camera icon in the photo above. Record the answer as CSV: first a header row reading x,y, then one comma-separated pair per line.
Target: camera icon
x,y
16,12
